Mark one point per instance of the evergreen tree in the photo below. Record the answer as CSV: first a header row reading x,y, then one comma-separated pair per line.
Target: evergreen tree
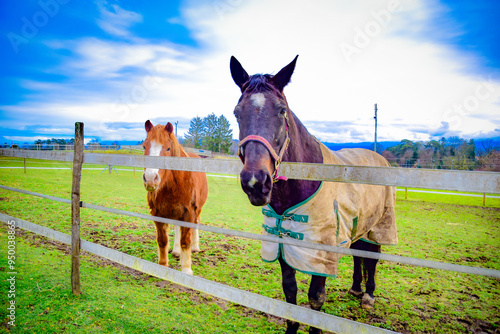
x,y
211,137
211,133
196,132
225,134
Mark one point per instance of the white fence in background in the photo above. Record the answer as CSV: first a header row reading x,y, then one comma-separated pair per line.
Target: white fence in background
x,y
482,182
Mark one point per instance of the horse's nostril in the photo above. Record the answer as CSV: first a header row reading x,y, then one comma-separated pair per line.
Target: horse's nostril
x,y
156,178
144,178
267,184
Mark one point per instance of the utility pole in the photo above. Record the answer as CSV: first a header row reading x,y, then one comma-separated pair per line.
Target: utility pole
x,y
176,128
375,145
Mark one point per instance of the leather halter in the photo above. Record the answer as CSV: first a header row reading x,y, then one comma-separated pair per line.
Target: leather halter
x,y
277,157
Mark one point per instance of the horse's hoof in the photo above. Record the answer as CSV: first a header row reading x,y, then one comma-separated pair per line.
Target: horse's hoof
x,y
367,301
176,253
187,271
195,250
356,294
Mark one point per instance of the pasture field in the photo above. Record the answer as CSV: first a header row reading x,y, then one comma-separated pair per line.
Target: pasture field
x,y
115,299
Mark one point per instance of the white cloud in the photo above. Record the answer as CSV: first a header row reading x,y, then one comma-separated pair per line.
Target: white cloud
x,y
116,20
416,80
418,84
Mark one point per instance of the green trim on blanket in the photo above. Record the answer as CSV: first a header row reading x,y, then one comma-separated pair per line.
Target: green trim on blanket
x,y
336,210
276,230
354,228
375,243
299,204
280,252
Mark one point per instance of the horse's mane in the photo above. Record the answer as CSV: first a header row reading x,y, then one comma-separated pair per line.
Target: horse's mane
x,y
177,149
259,83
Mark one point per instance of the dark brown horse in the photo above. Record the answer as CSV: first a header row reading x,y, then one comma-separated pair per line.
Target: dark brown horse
x,y
173,194
342,214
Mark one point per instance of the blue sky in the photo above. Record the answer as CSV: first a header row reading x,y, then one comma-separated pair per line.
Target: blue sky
x,y
433,67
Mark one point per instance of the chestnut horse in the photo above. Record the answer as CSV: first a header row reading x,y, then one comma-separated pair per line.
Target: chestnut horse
x,y
339,214
173,194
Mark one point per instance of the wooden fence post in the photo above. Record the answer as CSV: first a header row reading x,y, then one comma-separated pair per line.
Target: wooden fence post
x,y
406,193
75,210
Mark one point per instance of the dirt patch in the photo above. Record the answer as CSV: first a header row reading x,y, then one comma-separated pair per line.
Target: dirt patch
x,y
38,240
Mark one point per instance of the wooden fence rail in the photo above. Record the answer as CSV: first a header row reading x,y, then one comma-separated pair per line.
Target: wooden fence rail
x,y
271,238
467,181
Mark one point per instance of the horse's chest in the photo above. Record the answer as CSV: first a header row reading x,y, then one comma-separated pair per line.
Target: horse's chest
x,y
170,204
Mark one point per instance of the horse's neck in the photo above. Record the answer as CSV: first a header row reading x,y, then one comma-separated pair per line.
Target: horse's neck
x,y
170,178
303,147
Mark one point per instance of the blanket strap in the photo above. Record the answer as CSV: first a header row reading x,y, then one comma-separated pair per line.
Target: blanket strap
x,y
280,232
294,217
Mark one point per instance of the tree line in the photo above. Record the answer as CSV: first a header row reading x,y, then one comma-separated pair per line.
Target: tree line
x,y
210,133
53,141
446,153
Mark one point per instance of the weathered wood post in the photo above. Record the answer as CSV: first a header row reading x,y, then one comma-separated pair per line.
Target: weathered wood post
x,y
75,210
406,193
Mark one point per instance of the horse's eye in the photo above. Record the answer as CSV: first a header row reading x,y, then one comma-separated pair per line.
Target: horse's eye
x,y
283,111
236,112
168,149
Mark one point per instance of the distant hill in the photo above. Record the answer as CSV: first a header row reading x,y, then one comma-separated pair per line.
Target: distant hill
x,y
367,145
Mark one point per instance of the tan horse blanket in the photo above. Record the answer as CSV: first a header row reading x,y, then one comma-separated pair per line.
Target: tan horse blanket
x,y
361,212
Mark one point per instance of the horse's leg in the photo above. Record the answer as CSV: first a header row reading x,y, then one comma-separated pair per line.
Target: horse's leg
x,y
370,266
290,289
186,240
317,296
357,276
162,240
177,241
195,248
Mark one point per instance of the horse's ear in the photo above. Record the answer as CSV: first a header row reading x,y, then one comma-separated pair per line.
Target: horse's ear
x,y
240,76
169,127
282,78
148,125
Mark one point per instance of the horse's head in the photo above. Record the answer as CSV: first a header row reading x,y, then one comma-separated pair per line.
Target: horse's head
x,y
262,113
160,141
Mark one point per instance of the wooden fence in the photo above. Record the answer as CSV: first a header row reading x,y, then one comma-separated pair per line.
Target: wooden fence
x,y
482,182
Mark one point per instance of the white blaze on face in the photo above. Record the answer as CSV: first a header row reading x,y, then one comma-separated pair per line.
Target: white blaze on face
x,y
258,100
154,151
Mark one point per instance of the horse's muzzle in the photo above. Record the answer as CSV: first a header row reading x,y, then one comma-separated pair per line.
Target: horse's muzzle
x,y
151,184
257,185
256,175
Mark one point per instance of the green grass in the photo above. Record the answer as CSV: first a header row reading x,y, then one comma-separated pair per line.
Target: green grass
x,y
442,196
409,299
113,300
